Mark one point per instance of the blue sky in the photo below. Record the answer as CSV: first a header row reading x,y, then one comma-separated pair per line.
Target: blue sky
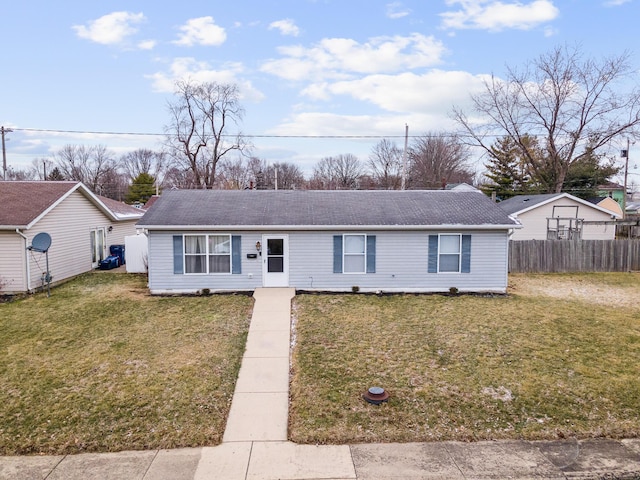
x,y
305,67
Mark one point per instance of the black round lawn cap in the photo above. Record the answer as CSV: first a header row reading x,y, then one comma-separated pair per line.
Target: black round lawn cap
x,y
376,395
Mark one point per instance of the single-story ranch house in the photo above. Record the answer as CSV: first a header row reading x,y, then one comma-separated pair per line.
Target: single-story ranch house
x,y
80,224
369,241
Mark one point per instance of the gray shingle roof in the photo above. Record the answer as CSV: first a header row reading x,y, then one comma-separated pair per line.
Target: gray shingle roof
x,y
308,208
520,202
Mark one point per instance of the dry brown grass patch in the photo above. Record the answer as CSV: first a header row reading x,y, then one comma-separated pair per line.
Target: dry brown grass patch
x,y
534,364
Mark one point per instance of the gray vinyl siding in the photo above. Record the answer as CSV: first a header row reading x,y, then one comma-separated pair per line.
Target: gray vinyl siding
x,y
401,264
163,280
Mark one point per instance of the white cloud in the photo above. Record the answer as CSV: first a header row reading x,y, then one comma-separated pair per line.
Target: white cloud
x,y
496,15
111,29
338,58
286,27
201,31
335,124
436,90
397,10
616,3
147,45
424,101
184,68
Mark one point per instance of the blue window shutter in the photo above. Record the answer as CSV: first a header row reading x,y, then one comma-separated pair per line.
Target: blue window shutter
x,y
433,254
371,254
466,254
337,254
177,255
236,255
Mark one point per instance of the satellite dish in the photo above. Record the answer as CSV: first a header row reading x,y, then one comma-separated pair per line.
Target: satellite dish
x,y
41,242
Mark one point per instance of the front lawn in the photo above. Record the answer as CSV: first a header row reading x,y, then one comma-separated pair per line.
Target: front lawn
x,y
558,357
102,366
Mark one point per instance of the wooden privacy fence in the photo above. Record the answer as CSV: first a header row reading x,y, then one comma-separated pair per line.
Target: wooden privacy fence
x,y
547,256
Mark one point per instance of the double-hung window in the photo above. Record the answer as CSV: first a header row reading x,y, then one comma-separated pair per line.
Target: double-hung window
x,y
449,253
207,254
355,254
219,254
195,254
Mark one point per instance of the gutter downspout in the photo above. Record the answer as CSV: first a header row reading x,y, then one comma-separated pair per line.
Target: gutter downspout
x,y
26,241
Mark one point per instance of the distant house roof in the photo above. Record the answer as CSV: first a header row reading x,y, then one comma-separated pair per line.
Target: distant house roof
x,y
151,201
610,186
24,203
523,203
309,209
595,200
461,187
121,209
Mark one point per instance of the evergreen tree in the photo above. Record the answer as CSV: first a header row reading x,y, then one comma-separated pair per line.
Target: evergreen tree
x,y
587,173
507,169
141,190
55,175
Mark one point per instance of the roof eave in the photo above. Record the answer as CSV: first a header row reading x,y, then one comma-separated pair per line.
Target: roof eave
x,y
13,228
330,227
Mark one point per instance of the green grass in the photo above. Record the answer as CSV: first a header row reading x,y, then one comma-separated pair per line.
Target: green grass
x,y
102,366
534,364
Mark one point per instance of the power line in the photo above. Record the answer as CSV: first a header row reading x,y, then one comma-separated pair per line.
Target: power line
x,y
242,135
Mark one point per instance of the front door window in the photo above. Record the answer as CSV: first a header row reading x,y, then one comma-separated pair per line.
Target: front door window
x,y
275,255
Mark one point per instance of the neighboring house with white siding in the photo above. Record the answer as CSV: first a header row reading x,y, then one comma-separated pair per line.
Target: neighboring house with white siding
x,y
560,216
81,225
370,241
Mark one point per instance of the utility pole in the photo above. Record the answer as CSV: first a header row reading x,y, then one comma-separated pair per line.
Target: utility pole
x,y
4,152
625,154
404,157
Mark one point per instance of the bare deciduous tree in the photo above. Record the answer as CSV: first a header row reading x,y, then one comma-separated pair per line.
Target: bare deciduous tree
x,y
284,176
196,136
41,168
437,159
337,173
92,165
144,161
233,174
563,99
385,162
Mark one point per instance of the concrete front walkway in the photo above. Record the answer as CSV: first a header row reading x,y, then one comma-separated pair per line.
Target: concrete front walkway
x,y
255,440
255,448
260,406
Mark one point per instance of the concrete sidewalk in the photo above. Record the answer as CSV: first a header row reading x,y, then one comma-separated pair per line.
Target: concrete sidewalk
x,y
255,448
566,459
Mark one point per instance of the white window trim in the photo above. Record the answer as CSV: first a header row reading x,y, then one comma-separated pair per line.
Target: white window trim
x,y
345,254
208,253
459,235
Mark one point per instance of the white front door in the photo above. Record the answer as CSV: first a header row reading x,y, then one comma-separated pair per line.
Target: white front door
x,y
275,260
